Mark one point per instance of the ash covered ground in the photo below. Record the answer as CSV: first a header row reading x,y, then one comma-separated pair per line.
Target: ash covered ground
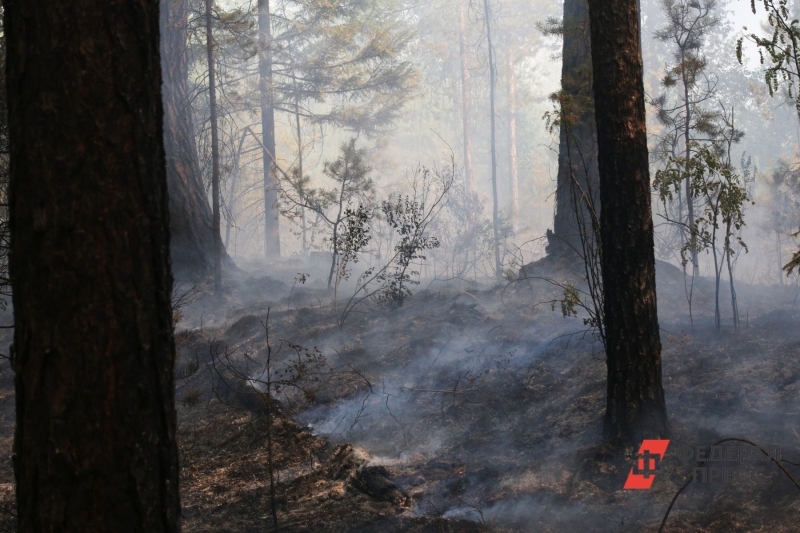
x,y
470,408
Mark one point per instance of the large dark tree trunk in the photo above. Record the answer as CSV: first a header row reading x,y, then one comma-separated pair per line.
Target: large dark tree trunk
x,y
577,151
272,241
635,406
94,447
190,216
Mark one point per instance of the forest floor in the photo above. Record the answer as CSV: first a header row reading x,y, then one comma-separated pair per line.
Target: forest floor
x,y
470,408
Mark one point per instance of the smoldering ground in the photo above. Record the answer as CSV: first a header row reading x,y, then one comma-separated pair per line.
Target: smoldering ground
x,y
479,404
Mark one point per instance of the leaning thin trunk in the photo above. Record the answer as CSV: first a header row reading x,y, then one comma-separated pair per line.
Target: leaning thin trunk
x,y
273,504
498,268
272,243
728,253
512,140
300,169
717,275
779,250
335,236
234,184
466,98
212,97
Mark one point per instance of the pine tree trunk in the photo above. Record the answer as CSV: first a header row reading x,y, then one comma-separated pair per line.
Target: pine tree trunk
x,y
512,140
94,445
272,242
212,97
466,98
498,268
635,407
299,131
577,153
687,154
232,192
190,215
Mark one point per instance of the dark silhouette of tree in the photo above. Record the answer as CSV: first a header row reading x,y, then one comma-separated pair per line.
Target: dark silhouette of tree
x,y
93,344
577,150
635,407
190,216
5,283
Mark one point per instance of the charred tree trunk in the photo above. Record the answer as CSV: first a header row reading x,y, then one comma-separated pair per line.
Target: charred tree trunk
x,y
635,407
272,241
94,445
212,97
498,267
190,216
466,97
512,139
577,153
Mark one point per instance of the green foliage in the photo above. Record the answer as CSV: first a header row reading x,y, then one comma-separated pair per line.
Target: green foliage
x,y
720,189
408,217
680,109
354,238
570,300
334,63
342,63
782,48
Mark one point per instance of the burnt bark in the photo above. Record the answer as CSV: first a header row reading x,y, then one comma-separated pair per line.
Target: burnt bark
x,y
577,151
94,445
272,242
190,215
635,407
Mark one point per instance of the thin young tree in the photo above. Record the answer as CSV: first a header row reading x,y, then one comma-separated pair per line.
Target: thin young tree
x,y
212,98
466,95
686,122
487,15
94,444
513,164
635,407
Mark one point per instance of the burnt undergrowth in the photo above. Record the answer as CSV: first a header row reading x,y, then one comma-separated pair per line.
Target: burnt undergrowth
x,y
483,406
469,408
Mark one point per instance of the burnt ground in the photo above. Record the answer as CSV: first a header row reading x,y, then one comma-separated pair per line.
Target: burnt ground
x,y
470,409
